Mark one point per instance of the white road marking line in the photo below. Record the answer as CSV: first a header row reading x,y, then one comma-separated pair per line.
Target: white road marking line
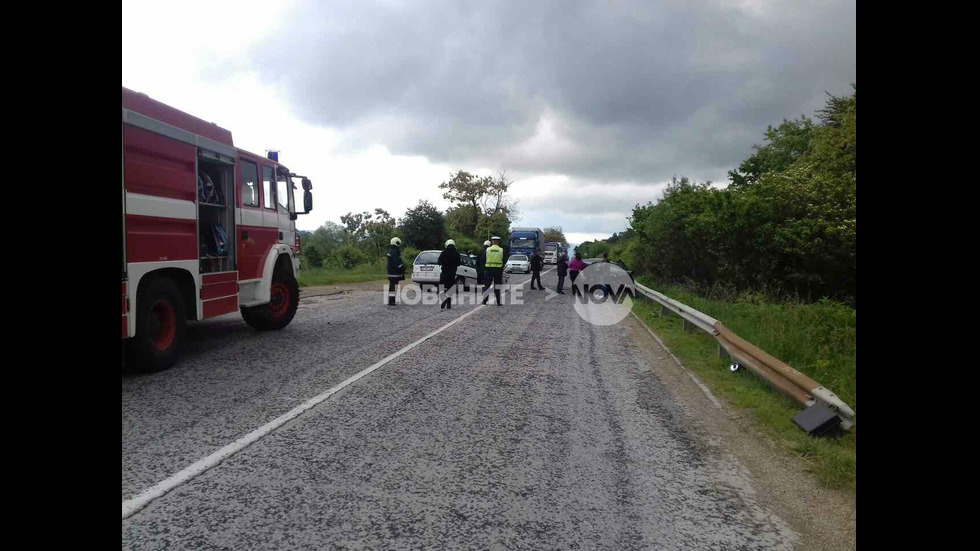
x,y
489,291
693,377
141,500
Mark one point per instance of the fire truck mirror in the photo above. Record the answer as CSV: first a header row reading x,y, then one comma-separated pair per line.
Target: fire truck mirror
x,y
307,201
307,184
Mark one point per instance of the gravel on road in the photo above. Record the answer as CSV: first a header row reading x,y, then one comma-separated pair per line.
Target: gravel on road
x,y
521,427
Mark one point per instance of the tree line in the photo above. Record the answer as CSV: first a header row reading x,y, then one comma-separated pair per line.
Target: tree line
x,y
480,208
786,224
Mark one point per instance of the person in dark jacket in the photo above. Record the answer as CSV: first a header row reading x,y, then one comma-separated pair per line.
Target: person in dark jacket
x,y
481,263
536,262
562,270
396,270
449,260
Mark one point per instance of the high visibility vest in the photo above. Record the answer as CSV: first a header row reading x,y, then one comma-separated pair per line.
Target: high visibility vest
x,y
495,257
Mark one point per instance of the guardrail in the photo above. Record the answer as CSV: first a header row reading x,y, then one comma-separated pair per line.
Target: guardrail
x,y
787,380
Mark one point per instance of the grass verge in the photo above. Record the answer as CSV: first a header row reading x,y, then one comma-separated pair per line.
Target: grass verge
x,y
819,340
330,276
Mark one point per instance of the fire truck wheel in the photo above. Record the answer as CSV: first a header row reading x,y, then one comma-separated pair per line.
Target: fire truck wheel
x,y
160,327
283,300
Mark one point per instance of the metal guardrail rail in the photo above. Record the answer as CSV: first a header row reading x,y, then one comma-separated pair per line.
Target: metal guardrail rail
x,y
787,380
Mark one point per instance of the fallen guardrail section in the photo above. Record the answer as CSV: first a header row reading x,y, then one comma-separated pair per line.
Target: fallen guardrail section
x,y
784,378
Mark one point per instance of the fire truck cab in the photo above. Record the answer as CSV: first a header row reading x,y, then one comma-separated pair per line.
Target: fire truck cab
x,y
207,229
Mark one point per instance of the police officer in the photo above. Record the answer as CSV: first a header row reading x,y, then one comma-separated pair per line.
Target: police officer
x,y
494,266
396,270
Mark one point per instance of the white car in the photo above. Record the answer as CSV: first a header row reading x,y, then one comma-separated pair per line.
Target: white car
x,y
427,270
518,263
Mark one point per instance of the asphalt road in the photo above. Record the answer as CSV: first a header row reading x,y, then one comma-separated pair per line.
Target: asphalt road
x,y
520,427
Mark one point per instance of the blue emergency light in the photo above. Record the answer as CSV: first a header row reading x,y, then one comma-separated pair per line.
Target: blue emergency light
x,y
273,154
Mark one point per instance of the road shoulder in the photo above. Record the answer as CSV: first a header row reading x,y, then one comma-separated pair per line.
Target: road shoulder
x,y
338,290
826,518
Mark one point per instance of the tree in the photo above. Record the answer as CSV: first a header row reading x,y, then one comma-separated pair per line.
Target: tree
x,y
354,224
350,256
495,224
554,235
789,226
313,255
318,247
785,144
370,231
424,227
592,249
836,112
479,203
378,232
466,189
462,219
495,199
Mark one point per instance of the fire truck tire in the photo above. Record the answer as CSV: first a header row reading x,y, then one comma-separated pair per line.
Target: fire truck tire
x,y
284,299
160,327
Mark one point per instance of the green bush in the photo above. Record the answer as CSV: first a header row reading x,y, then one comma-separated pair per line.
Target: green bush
x,y
312,256
465,244
349,256
408,258
593,249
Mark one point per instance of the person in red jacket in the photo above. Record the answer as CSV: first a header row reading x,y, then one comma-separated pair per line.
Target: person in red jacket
x,y
574,267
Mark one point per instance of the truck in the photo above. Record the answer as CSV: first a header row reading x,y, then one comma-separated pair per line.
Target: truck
x,y
551,252
207,229
525,241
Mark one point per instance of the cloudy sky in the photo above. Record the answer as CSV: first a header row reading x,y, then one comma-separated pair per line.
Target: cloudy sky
x,y
589,106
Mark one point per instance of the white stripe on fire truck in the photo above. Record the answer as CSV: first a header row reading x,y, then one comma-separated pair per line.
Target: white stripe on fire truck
x,y
162,207
254,218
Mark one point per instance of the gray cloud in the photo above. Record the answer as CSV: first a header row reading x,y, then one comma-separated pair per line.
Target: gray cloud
x,y
633,91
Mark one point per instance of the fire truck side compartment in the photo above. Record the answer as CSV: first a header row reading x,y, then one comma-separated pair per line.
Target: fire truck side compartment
x,y
219,212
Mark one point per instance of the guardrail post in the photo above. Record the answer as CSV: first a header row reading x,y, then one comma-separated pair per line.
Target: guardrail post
x,y
688,326
722,353
663,310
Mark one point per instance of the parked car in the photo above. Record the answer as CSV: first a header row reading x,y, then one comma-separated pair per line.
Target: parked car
x,y
518,263
620,263
427,270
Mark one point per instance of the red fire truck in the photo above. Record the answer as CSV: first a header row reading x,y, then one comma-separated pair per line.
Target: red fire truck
x,y
207,229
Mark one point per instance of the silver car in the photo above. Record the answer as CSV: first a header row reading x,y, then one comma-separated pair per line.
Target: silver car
x,y
518,263
427,270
